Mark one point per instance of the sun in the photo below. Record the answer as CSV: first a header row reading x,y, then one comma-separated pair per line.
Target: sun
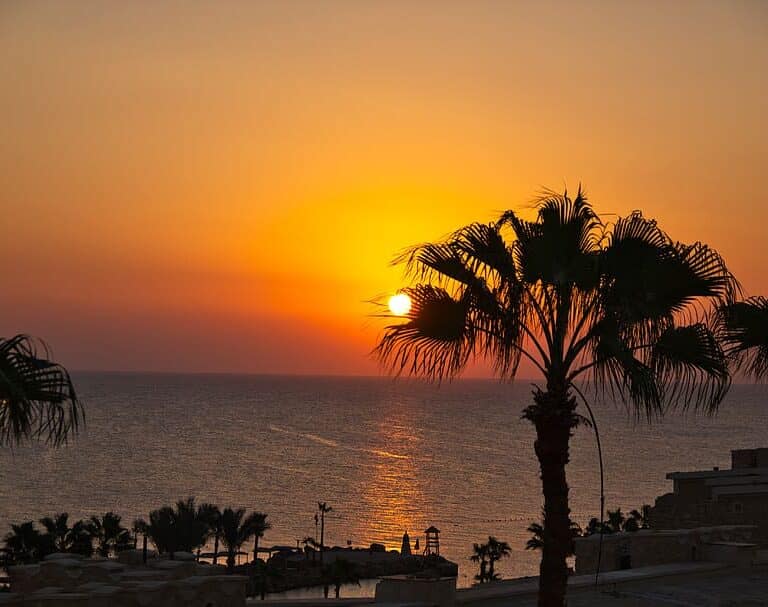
x,y
400,304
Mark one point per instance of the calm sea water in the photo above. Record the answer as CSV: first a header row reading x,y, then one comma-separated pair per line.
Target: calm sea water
x,y
388,456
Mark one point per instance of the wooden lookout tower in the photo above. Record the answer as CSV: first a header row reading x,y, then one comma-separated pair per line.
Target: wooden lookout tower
x,y
432,541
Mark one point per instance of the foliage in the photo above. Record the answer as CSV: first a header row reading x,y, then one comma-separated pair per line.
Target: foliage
x,y
25,544
37,398
63,538
185,527
237,528
108,534
487,555
744,331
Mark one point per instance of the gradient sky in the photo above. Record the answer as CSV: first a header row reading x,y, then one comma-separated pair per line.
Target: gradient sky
x,y
219,186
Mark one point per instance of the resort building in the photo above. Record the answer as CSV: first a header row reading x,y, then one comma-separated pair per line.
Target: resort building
x,y
705,498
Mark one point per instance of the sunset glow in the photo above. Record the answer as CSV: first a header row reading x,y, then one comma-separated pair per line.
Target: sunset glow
x,y
177,193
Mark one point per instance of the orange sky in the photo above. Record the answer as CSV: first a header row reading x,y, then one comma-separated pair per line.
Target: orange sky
x,y
220,186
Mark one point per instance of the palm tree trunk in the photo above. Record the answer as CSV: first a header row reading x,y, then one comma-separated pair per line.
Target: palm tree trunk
x,y
322,538
255,547
215,548
338,590
553,416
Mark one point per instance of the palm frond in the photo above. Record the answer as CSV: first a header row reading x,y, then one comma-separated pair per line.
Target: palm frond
x,y
743,329
37,397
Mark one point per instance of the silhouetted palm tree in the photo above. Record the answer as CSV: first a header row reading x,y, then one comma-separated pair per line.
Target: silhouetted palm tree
x,y
25,544
497,550
537,533
64,538
37,398
339,572
621,305
536,542
141,526
108,534
745,335
260,526
480,555
236,530
615,520
323,508
185,527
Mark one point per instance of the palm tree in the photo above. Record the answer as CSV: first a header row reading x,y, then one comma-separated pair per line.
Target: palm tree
x,y
339,572
480,555
236,530
322,508
536,541
212,515
615,520
25,544
621,305
496,551
140,526
185,527
109,534
64,538
744,330
37,398
260,526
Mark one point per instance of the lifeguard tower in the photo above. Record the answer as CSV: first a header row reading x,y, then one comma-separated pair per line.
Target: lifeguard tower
x,y
432,541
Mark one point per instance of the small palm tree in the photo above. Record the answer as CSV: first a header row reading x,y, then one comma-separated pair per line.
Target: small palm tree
x,y
37,398
616,520
340,572
619,304
64,538
140,526
108,534
497,550
25,544
260,526
480,555
237,529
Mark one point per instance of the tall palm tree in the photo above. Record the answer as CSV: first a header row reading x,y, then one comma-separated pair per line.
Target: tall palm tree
x,y
64,538
323,508
480,555
108,534
237,529
622,306
744,330
212,515
260,526
497,550
140,526
37,398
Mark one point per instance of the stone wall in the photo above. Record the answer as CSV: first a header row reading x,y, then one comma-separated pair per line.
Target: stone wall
x,y
649,547
62,580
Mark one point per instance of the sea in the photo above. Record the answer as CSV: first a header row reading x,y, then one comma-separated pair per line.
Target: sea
x,y
388,455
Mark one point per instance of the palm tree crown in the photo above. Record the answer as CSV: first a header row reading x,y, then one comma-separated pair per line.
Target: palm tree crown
x,y
576,297
37,398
